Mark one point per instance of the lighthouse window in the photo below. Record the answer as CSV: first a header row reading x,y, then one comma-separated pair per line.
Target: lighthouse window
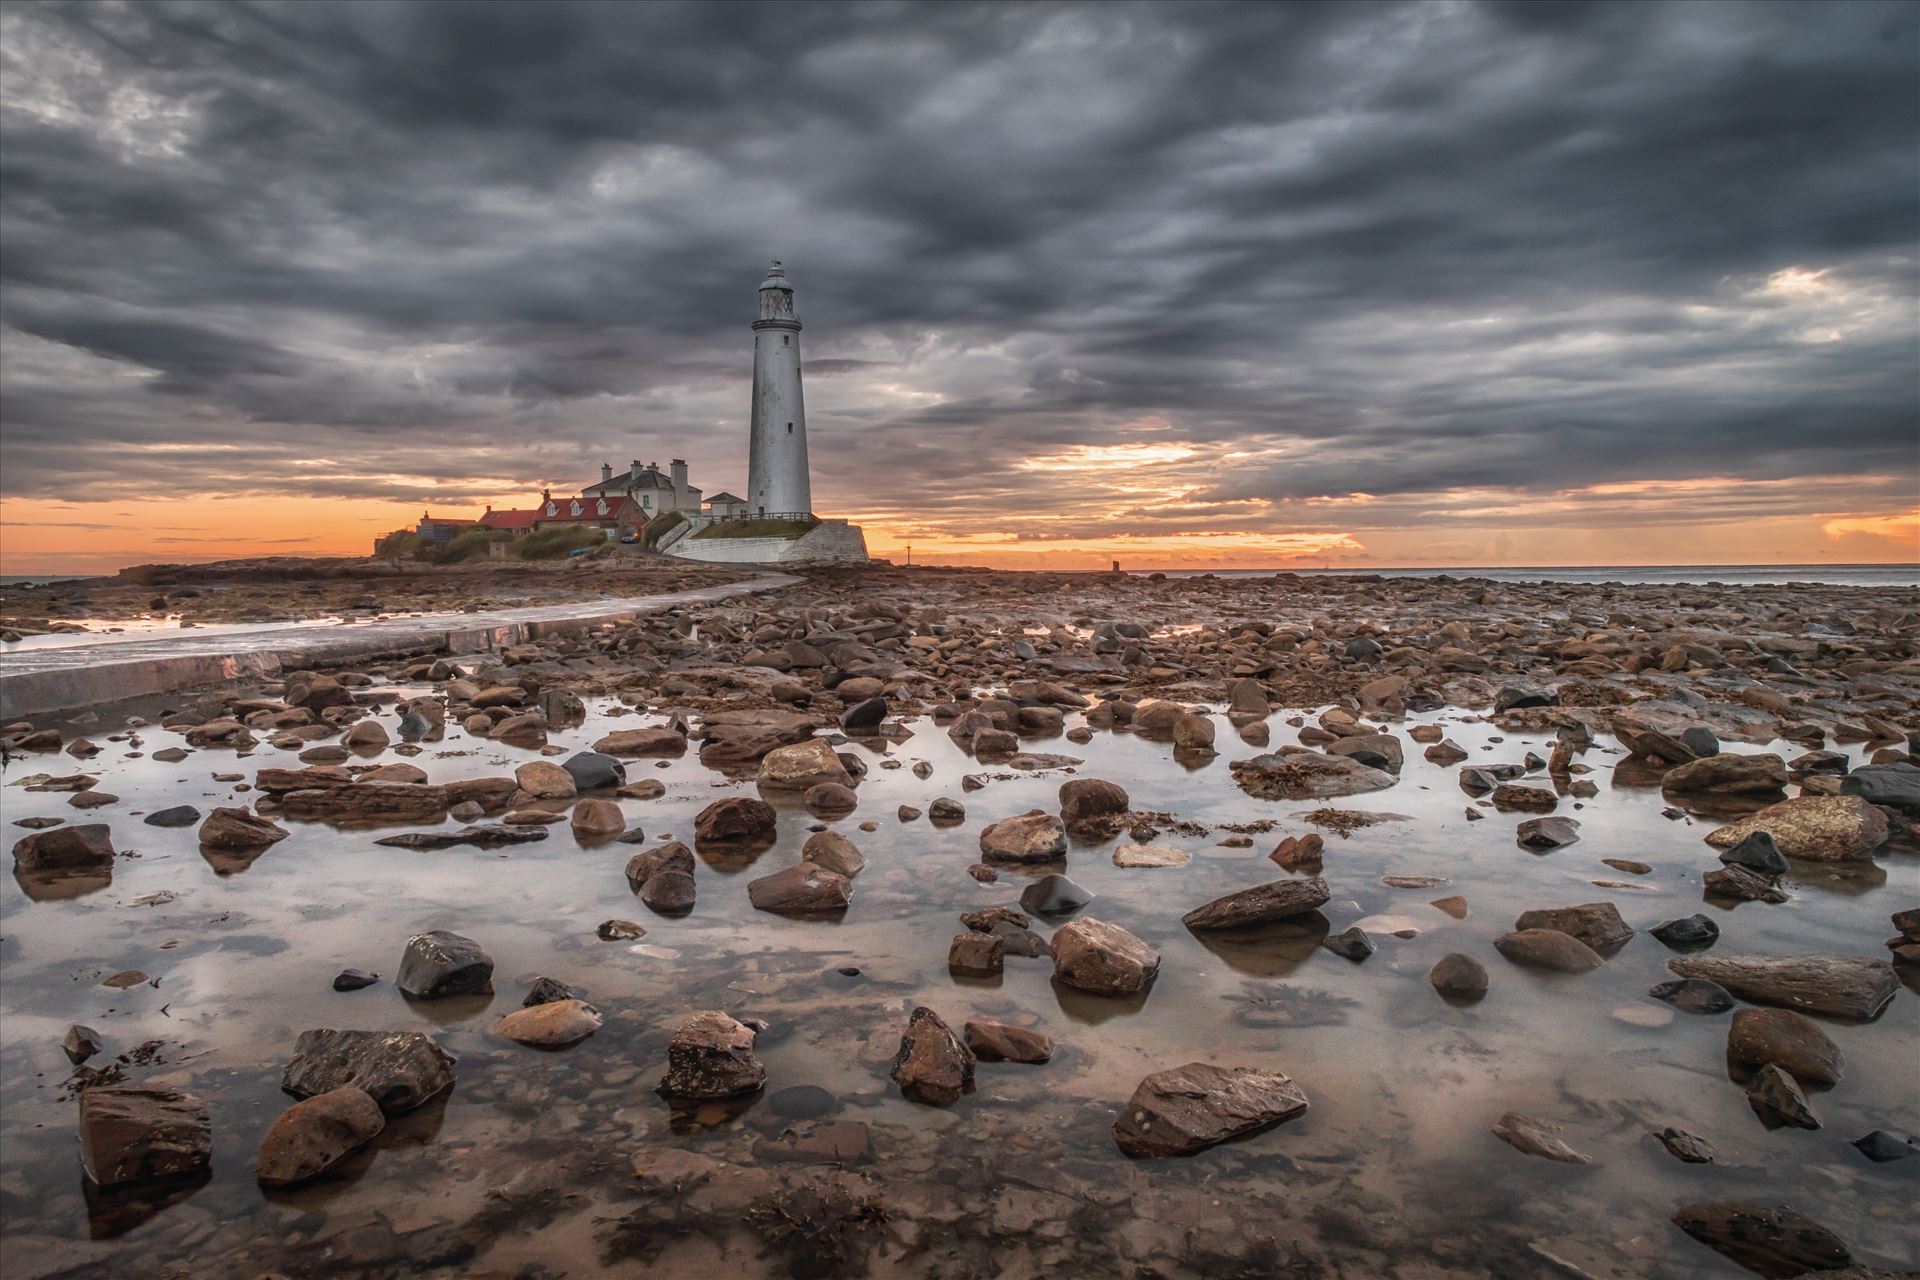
x,y
789,428
786,340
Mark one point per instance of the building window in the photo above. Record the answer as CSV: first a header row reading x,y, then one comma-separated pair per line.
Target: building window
x,y
789,428
786,340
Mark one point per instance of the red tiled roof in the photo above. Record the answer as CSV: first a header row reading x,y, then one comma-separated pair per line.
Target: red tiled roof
x,y
509,519
566,510
427,519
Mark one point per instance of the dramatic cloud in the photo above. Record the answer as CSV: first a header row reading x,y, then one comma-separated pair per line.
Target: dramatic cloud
x,y
1330,280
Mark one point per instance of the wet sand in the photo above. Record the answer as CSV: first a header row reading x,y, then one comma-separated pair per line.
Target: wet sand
x,y
569,1163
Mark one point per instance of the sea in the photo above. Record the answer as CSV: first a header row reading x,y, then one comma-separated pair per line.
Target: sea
x,y
1755,575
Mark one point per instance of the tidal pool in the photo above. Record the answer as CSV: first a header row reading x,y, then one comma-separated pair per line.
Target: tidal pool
x,y
550,1163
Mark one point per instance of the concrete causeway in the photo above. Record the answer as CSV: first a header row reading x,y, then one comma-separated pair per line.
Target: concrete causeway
x,y
89,672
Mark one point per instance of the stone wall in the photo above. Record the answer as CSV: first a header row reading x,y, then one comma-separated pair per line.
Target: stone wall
x,y
830,542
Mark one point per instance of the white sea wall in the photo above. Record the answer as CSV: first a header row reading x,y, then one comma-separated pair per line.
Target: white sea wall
x,y
829,542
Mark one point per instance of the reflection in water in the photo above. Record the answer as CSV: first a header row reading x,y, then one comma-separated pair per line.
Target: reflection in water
x,y
61,886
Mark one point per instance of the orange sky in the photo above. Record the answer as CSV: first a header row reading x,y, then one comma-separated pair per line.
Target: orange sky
x,y
47,536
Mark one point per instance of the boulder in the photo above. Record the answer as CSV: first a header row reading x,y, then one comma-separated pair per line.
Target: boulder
x,y
1293,773
1773,1242
1035,836
88,846
1896,786
1104,959
1813,828
179,815
802,889
1261,904
593,819
976,955
735,818
830,799
670,893
711,1056
642,867
438,964
802,765
1189,1108
1776,1098
398,1069
1785,1039
238,831
1054,895
1083,801
368,802
932,1066
545,780
1459,977
999,1042
142,1132
1728,774
1543,835
1838,986
660,740
594,771
1548,949
833,851
550,1024
1509,796
313,1135
1687,933
1757,853
1380,750
1598,924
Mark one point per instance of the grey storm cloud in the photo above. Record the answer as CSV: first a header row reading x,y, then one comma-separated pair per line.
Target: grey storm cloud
x,y
429,249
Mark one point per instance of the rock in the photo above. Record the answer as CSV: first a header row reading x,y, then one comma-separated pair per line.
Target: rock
x,y
1728,774
528,729
546,991
366,733
1150,855
1548,949
1686,1147
1189,1108
660,740
1757,853
1662,733
1104,959
1380,750
642,867
438,963
313,1135
354,980
711,1056
597,819
1785,1039
593,771
368,802
140,1133
976,955
1083,801
946,812
1352,944
81,1043
1598,924
670,893
863,716
999,1042
1838,986
1773,1242
1459,977
830,799
1695,995
802,765
1193,732
1687,933
1445,753
619,931
1525,693
1813,828
1882,1147
1035,836
1544,834
1296,774
833,851
238,831
1513,795
1297,853
1261,904
932,1065
491,794
180,815
735,818
398,1069
545,780
1054,895
802,889
1741,885
645,789
1777,1100
485,836
89,846
1896,786
551,1024
1535,1138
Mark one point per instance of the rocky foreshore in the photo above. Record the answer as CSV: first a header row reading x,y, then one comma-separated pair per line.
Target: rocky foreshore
x,y
1536,825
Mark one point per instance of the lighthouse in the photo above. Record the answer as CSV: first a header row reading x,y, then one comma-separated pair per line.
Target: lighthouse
x,y
777,477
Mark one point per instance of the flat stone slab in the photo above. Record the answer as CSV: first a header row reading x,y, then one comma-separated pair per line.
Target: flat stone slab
x,y
1840,986
1190,1108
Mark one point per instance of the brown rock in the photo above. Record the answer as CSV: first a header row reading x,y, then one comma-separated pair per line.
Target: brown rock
x,y
544,780
999,1042
369,802
1548,949
1785,1039
1261,904
673,856
1190,1108
1535,1138
238,831
1514,795
1296,853
1839,986
932,1065
1728,774
802,765
711,1056
976,955
137,1133
1813,828
1083,801
802,889
551,1024
398,1069
598,818
89,845
1035,836
1598,924
1459,977
660,740
735,818
312,1136
1773,1242
1104,959
833,851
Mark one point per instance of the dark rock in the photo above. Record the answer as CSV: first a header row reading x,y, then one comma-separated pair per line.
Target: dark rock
x,y
1535,1138
802,889
1758,853
1738,884
1773,1242
1459,977
399,1069
1542,834
1353,944
1525,693
354,980
1295,774
547,991
1054,895
669,893
735,818
864,715
1598,924
1895,786
140,1133
1689,933
180,815
932,1065
81,1043
317,1133
1785,1039
619,931
1083,801
976,955
1686,1147
642,867
1728,774
711,1056
1776,1098
999,1042
1695,995
1189,1108
1261,904
490,835
1548,949
592,770
88,846
1513,795
1882,1147
439,963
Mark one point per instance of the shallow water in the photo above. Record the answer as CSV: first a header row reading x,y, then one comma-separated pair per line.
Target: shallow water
x,y
1392,1167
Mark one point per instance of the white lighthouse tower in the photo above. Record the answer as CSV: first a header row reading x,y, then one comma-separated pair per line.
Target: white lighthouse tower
x,y
777,478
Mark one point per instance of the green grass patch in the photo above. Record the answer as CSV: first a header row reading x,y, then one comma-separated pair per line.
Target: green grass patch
x,y
659,527
552,544
788,529
468,544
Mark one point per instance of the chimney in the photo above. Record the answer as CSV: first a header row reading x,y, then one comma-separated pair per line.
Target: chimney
x,y
546,495
606,472
635,469
679,472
